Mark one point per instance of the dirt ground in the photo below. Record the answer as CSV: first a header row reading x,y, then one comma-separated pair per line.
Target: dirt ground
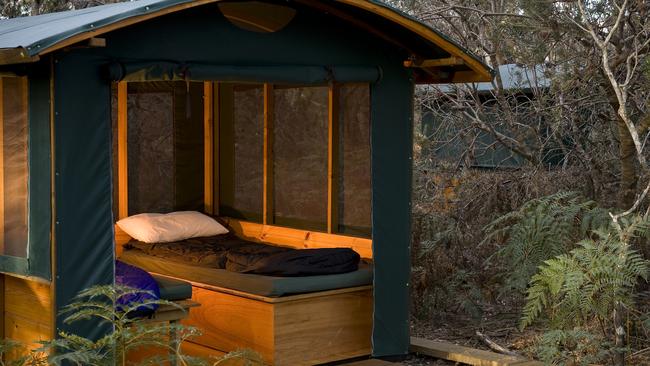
x,y
499,327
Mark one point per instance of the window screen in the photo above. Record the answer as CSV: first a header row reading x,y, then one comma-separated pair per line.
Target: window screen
x,y
241,127
354,206
164,146
300,130
14,169
150,149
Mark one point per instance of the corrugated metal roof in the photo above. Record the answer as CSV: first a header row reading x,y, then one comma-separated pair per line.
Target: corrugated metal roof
x,y
24,39
36,33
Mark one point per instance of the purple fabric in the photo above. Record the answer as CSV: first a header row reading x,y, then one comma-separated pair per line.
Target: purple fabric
x,y
131,276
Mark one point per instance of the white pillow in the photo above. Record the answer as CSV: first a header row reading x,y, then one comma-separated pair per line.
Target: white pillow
x,y
174,226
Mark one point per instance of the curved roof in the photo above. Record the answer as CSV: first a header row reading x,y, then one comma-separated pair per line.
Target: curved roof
x,y
435,57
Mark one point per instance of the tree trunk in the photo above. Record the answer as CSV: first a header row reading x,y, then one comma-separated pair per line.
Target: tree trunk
x,y
619,336
627,156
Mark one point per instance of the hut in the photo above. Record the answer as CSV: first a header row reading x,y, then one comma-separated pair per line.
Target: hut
x,y
291,119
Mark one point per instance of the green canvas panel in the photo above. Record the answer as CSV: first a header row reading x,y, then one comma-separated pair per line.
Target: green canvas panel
x,y
83,178
40,208
203,36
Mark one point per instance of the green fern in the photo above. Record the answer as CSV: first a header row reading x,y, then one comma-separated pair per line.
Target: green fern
x,y
587,284
129,334
541,229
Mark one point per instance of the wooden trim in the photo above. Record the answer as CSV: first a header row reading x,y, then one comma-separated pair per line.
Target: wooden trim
x,y
216,109
296,238
2,169
333,159
267,189
449,61
97,42
19,55
122,151
208,155
16,56
53,224
482,73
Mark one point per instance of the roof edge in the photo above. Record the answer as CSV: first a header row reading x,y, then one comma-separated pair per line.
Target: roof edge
x,y
30,53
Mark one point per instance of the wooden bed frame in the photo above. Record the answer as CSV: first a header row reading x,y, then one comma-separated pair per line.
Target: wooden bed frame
x,y
305,329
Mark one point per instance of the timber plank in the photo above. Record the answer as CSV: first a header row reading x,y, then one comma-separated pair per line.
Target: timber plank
x,y
466,355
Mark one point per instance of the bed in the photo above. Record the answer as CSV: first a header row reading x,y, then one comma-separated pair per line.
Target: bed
x,y
302,320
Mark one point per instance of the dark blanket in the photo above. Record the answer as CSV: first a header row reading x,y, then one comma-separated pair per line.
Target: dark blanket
x,y
237,255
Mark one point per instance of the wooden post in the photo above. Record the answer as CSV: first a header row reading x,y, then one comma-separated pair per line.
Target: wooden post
x,y
122,151
333,160
208,155
216,146
267,205
2,169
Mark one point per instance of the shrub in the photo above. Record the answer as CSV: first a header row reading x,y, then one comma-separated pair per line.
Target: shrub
x,y
128,333
541,229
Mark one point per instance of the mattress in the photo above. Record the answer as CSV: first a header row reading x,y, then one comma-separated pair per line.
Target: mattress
x,y
269,286
172,289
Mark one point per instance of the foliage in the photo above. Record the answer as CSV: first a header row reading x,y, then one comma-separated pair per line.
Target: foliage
x,y
541,229
125,331
572,347
590,282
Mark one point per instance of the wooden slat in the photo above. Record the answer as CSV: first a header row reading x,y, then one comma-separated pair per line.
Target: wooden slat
x,y
466,355
28,299
323,329
208,140
53,216
297,238
2,169
16,56
267,192
449,61
28,314
216,109
231,322
333,159
122,152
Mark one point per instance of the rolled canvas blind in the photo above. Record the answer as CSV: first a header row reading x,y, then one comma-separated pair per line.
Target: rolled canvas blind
x,y
297,74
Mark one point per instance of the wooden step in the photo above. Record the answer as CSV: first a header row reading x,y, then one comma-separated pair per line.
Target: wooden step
x,y
466,355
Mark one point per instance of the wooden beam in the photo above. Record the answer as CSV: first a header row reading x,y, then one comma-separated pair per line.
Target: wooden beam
x,y
122,151
216,146
481,72
466,355
333,160
2,169
54,218
440,62
208,147
16,56
96,42
267,195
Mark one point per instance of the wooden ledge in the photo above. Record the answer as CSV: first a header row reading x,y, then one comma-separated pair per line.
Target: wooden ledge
x,y
466,355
